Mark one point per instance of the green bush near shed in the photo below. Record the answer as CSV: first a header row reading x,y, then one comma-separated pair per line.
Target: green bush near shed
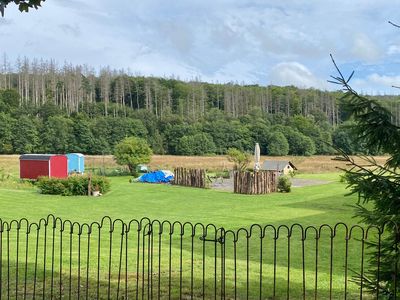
x,y
73,185
284,184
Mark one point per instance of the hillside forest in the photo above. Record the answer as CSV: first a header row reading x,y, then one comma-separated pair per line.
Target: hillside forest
x,y
49,108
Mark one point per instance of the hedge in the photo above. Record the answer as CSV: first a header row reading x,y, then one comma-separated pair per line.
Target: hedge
x,y
73,185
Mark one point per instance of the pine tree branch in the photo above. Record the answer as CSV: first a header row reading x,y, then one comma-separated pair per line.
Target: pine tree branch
x,y
395,25
375,125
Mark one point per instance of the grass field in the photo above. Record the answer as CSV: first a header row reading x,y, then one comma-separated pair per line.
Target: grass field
x,y
313,205
309,205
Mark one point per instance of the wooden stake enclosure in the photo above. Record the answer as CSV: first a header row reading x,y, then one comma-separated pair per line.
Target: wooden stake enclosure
x,y
190,177
257,183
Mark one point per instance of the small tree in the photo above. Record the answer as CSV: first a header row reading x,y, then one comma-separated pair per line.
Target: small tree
x,y
239,158
132,151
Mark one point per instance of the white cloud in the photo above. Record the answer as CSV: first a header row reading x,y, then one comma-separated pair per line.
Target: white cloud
x,y
157,65
235,71
393,49
384,80
375,84
71,29
365,49
294,73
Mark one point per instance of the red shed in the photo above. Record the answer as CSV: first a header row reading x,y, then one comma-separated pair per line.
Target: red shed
x,y
31,166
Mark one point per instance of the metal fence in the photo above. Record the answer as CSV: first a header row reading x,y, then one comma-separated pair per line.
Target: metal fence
x,y
151,259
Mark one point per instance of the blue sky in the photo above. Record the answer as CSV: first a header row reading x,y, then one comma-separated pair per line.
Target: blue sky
x,y
264,42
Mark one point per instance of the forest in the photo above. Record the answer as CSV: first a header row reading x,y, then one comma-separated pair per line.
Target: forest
x,y
45,107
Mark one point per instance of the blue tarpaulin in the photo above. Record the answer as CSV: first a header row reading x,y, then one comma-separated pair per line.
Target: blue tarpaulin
x,y
157,177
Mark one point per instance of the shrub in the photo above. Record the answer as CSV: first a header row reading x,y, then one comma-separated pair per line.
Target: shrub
x,y
51,186
284,184
102,184
73,185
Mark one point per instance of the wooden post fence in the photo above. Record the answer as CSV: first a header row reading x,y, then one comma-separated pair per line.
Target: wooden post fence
x,y
257,183
190,177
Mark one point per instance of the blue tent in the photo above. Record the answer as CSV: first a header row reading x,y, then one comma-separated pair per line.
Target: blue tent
x,y
76,163
157,177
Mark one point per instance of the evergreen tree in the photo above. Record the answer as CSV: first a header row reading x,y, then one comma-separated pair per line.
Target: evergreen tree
x,y
378,186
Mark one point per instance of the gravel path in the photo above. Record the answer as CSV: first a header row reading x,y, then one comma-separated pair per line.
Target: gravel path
x,y
297,182
227,184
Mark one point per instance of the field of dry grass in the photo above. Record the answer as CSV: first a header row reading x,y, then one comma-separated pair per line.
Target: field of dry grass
x,y
305,164
313,164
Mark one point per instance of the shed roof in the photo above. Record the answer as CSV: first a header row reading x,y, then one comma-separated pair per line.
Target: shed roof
x,y
77,154
274,165
36,156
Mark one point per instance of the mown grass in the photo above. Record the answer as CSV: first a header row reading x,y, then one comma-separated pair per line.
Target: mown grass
x,y
135,200
313,205
295,260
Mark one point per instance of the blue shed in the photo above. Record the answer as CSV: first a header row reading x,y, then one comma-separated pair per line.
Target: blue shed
x,y
76,163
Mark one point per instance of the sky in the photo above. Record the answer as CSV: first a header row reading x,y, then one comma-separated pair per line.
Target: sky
x,y
252,42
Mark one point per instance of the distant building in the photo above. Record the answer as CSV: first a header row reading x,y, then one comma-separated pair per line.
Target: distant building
x,y
50,165
282,166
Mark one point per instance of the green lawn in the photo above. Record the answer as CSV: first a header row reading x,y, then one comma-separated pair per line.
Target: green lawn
x,y
307,205
314,205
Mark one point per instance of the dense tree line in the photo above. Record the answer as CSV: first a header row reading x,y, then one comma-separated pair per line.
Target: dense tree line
x,y
27,128
47,108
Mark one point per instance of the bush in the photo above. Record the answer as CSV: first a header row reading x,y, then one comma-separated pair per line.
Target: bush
x,y
284,184
51,186
101,184
73,185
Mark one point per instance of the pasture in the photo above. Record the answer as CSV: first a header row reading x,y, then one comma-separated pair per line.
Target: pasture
x,y
308,206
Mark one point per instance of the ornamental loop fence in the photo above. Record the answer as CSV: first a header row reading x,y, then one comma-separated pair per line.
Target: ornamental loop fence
x,y
152,259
